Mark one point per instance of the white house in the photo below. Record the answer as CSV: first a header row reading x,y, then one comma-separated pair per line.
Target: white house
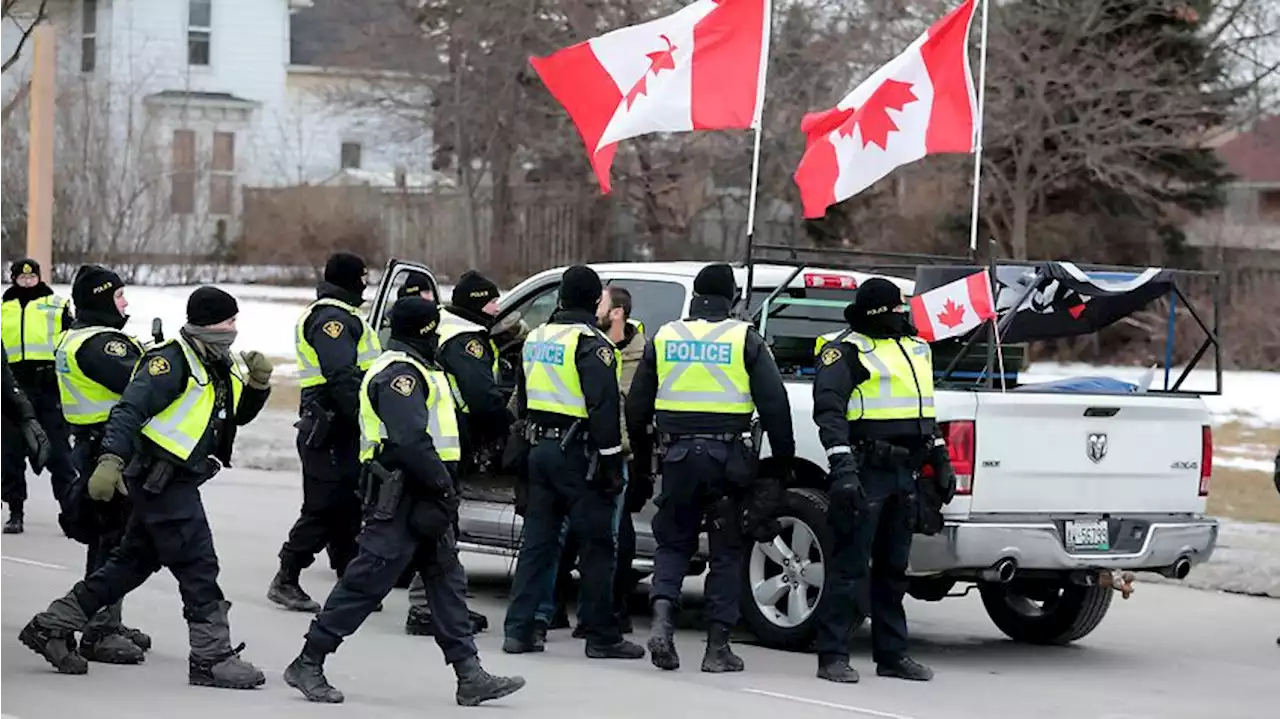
x,y
201,98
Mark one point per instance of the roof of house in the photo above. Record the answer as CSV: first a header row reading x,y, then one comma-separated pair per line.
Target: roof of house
x,y
1254,155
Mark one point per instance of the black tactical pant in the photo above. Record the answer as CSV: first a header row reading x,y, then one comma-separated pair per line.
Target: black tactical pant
x,y
331,506
42,390
879,537
110,520
559,487
696,491
386,549
13,463
169,530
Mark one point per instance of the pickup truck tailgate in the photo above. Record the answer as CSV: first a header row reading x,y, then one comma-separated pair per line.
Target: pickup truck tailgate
x,y
1088,454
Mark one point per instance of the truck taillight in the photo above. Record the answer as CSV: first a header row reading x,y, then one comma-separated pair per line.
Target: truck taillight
x,y
829,281
962,446
1206,458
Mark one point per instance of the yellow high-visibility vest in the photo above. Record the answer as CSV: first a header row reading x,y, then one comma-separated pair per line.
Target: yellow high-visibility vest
x,y
896,371
179,427
367,346
442,418
702,367
84,401
32,332
551,381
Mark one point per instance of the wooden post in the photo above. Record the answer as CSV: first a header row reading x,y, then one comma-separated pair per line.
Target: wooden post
x,y
40,159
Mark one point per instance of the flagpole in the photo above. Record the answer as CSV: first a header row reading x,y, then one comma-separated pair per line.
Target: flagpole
x,y
755,152
977,145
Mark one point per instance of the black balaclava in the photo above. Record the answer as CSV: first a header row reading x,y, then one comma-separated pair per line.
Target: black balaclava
x,y
415,283
94,295
580,289
473,292
414,322
878,310
348,273
716,281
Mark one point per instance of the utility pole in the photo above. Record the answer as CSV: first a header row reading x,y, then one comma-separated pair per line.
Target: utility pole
x,y
40,159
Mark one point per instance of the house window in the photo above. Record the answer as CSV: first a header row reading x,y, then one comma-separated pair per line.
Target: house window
x,y
223,175
199,31
182,201
351,156
88,35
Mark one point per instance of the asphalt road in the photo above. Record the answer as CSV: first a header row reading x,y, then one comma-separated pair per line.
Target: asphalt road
x,y
1166,652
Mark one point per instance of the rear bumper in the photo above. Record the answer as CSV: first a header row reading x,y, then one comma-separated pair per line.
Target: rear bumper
x,y
1038,545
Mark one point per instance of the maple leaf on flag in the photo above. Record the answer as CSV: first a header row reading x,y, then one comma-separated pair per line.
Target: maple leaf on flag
x,y
873,116
952,314
659,60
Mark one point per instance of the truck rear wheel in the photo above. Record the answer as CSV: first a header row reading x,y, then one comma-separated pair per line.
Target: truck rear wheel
x,y
782,583
1045,614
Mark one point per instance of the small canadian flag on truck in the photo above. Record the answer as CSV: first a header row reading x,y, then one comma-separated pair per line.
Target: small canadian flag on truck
x,y
954,308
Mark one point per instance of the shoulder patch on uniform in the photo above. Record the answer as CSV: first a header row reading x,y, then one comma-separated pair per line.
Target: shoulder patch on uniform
x,y
404,384
475,349
333,328
115,348
830,356
606,356
158,366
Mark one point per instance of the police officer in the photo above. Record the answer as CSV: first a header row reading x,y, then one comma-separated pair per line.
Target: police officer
x,y
409,433
172,430
95,361
33,319
334,348
873,404
468,354
706,376
569,387
22,436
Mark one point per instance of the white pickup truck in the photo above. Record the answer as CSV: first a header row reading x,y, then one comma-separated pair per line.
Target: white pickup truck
x,y
1057,490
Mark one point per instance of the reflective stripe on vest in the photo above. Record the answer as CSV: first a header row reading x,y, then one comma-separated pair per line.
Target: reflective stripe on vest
x,y
702,367
84,401
178,428
890,393
452,325
442,418
309,372
32,332
551,381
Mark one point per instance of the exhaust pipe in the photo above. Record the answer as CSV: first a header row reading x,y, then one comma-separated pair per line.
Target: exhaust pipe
x,y
1002,571
1178,570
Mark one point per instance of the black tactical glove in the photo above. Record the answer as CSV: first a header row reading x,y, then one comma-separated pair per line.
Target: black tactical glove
x,y
639,489
944,475
37,444
759,516
847,496
610,474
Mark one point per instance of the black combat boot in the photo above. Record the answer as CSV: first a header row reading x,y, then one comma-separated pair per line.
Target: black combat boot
x,y
662,643
140,638
905,668
476,686
57,646
836,669
109,647
719,658
306,674
213,661
622,649
14,525
419,623
288,593
515,645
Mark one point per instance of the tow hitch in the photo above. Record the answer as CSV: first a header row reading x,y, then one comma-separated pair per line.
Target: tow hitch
x,y
1121,581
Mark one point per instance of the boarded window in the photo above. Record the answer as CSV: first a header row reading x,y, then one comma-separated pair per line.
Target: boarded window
x,y
351,156
222,179
88,35
182,201
199,31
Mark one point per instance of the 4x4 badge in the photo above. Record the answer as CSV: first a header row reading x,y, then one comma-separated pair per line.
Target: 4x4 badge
x,y
1096,447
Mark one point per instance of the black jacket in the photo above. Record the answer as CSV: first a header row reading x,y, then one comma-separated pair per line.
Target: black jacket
x,y
767,391
399,396
16,405
336,349
469,358
159,382
839,372
599,386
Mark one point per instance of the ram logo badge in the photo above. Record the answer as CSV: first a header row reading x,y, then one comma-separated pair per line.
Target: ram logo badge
x,y
1097,446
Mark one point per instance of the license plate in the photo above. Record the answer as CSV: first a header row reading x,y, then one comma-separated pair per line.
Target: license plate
x,y
1092,535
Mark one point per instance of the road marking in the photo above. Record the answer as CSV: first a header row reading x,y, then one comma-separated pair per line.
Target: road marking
x,y
31,562
828,705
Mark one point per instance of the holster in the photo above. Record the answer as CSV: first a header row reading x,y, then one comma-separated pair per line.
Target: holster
x,y
879,454
321,421
158,475
928,508
381,489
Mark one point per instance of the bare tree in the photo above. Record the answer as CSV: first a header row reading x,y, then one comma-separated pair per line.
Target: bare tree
x,y
26,18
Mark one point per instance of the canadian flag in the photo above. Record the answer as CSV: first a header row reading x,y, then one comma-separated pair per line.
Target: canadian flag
x,y
954,308
700,68
920,103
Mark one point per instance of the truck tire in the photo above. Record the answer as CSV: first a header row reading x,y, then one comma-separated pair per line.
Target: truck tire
x,y
787,622
1060,615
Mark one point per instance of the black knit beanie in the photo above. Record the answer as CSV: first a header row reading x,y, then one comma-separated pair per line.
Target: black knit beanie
x,y
580,289
412,318
414,284
94,289
716,280
346,271
209,306
24,266
474,291
874,297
